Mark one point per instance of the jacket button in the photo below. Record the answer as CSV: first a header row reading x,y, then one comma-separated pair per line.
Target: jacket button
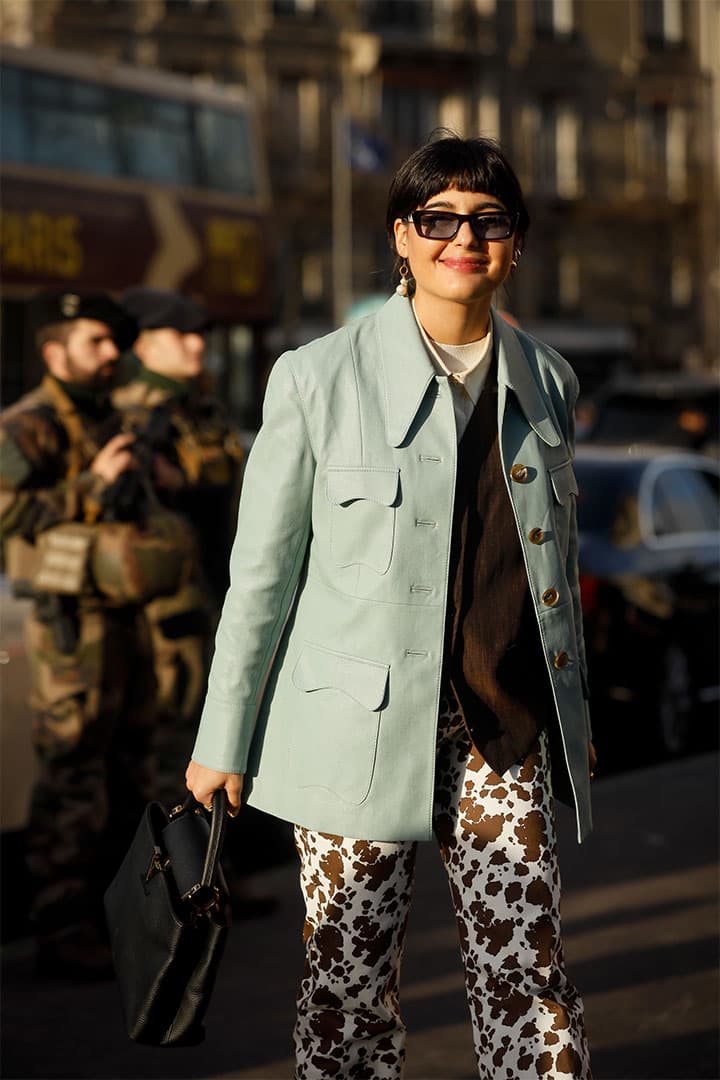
x,y
550,597
561,660
536,536
519,473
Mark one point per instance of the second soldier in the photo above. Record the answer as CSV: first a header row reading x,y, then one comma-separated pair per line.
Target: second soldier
x,y
198,475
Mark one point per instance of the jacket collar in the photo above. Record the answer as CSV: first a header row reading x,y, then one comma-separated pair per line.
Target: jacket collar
x,y
515,372
409,371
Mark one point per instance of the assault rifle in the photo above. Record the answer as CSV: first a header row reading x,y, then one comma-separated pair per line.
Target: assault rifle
x,y
132,495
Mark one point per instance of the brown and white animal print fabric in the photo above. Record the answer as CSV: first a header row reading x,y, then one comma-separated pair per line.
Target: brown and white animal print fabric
x,y
497,839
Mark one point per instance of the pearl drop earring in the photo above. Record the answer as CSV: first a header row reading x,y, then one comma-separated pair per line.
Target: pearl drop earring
x,y
402,289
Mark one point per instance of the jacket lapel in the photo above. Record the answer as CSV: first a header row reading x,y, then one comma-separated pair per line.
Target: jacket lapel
x,y
514,372
408,371
407,368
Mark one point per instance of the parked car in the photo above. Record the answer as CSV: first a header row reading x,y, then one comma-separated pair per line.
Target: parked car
x,y
648,522
677,409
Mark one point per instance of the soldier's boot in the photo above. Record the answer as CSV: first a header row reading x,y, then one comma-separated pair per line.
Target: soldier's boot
x,y
79,954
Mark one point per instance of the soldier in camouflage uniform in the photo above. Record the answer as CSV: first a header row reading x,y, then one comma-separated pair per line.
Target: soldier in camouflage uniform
x,y
92,684
169,396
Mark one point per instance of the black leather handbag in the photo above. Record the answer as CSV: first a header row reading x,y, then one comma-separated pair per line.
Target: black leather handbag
x,y
168,913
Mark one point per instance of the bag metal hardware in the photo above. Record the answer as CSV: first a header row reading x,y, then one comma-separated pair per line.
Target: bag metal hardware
x,y
203,906
158,864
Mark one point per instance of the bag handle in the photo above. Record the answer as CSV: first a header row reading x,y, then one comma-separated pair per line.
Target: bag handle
x,y
218,825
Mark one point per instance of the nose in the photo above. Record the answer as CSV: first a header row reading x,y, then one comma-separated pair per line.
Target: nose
x,y
466,236
195,342
110,350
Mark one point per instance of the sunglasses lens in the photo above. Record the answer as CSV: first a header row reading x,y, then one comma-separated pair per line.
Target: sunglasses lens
x,y
442,225
436,226
492,226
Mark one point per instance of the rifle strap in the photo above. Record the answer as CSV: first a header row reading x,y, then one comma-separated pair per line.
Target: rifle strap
x,y
82,449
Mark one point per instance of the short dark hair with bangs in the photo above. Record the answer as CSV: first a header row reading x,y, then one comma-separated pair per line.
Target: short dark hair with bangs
x,y
448,161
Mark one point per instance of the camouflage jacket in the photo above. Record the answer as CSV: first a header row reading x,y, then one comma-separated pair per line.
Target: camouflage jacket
x,y
206,452
47,443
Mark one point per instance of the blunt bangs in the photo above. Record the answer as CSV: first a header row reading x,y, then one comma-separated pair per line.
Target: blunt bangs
x,y
476,164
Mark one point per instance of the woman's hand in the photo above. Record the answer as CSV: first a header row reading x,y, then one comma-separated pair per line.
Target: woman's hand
x,y
592,760
202,782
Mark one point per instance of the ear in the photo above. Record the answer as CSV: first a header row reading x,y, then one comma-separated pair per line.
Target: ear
x,y
54,354
400,229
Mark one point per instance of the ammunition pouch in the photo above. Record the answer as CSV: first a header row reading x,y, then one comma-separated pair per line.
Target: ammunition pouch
x,y
126,562
56,563
131,564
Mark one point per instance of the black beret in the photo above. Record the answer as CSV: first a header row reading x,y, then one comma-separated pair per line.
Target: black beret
x,y
47,308
156,308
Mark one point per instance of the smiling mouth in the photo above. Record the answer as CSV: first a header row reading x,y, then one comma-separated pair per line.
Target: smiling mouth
x,y
467,265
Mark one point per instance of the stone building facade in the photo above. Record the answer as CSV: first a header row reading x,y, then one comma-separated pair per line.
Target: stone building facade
x,y
608,108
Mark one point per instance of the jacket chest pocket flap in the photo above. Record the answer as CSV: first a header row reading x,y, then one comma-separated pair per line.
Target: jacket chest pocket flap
x,y
562,478
362,515
564,485
365,681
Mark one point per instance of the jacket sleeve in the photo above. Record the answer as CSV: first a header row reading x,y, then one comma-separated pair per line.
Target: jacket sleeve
x,y
267,556
32,497
571,568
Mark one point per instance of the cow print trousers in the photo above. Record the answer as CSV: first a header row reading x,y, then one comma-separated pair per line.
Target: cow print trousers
x,y
497,841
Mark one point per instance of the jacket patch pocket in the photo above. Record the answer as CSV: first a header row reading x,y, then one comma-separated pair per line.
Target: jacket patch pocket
x,y
362,516
565,489
334,739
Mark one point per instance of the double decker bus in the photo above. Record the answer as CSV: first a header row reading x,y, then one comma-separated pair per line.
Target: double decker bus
x,y
113,176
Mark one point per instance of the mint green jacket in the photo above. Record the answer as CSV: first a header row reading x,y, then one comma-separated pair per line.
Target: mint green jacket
x,y
325,683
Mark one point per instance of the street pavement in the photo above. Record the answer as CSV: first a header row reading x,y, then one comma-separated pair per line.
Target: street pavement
x,y
640,916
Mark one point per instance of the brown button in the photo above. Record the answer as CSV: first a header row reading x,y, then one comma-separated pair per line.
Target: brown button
x,y
519,473
536,536
561,660
550,597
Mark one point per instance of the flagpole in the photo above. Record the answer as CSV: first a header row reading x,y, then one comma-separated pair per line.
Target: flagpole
x,y
341,207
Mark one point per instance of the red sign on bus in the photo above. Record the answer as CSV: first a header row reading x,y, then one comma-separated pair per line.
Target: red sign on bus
x,y
106,236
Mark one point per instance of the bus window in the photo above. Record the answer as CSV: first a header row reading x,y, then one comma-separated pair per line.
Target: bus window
x,y
70,125
156,138
13,129
226,151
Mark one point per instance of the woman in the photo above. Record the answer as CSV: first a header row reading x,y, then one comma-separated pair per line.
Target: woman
x,y
400,652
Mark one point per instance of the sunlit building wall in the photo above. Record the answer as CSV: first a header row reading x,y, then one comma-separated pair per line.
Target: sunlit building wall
x,y
608,108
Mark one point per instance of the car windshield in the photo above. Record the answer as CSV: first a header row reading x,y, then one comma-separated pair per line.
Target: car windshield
x,y
607,499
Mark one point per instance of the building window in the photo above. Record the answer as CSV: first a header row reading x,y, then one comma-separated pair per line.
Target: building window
x,y
554,18
309,115
409,112
663,22
681,282
676,154
554,131
312,278
403,16
452,113
663,142
488,114
567,138
293,7
285,139
569,280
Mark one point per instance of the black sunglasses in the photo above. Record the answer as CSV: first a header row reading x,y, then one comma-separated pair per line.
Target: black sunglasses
x,y
444,225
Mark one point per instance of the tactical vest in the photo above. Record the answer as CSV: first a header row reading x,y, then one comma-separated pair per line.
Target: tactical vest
x,y
125,561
